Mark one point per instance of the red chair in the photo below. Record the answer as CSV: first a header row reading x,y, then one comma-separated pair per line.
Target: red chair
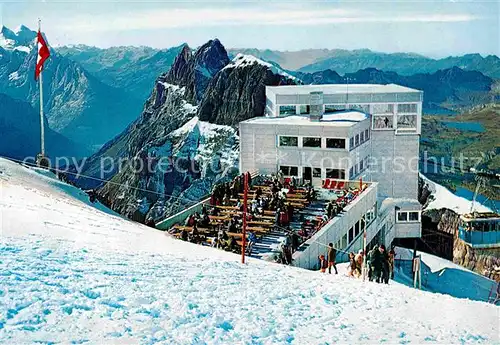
x,y
326,184
287,181
333,185
341,185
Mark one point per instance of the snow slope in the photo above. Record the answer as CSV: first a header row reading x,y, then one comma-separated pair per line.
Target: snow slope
x,y
443,198
443,276
71,273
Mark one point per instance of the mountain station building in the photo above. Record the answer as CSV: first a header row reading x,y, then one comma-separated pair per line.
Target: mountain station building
x,y
345,133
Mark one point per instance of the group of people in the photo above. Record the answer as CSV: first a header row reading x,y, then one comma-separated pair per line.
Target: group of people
x,y
379,262
222,193
329,261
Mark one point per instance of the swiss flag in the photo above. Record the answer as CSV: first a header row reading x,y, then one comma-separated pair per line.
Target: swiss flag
x,y
43,54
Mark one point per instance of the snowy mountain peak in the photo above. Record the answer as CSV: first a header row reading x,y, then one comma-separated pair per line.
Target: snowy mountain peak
x,y
245,60
21,39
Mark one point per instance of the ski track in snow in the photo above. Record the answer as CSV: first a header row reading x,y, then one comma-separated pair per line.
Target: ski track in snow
x,y
70,273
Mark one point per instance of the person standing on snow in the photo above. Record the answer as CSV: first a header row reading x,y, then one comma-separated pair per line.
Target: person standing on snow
x,y
323,263
332,253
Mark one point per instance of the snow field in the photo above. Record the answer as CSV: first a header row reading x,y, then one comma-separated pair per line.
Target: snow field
x,y
71,273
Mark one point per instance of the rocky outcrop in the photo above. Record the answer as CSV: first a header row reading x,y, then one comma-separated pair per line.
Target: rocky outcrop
x,y
238,91
482,261
195,70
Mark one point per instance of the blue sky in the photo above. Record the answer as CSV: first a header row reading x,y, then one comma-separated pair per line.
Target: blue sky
x,y
433,28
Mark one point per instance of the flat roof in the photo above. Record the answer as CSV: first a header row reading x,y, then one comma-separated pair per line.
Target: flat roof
x,y
339,89
339,119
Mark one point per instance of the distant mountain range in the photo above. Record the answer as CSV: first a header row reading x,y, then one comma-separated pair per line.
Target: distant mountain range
x,y
92,94
444,90
76,103
349,61
133,69
20,133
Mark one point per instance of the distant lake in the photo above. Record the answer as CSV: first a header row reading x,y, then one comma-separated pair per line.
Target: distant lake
x,y
439,112
465,126
465,193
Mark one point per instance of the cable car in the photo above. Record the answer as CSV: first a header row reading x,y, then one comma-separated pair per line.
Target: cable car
x,y
480,230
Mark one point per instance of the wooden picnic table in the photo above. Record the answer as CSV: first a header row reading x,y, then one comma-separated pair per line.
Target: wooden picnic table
x,y
190,228
256,222
219,217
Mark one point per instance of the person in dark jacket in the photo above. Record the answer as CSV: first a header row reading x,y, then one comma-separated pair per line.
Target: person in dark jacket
x,y
380,264
332,253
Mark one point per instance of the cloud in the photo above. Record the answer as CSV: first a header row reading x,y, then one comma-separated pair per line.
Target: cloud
x,y
239,16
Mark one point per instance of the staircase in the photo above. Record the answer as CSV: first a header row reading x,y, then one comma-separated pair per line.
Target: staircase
x,y
270,242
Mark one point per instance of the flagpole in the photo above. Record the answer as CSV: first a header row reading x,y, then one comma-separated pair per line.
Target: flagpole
x,y
42,129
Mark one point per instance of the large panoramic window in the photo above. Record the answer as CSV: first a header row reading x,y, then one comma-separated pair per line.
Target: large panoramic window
x,y
333,108
334,143
305,109
407,121
289,141
383,108
289,170
383,122
317,172
287,110
365,108
311,142
335,173
407,108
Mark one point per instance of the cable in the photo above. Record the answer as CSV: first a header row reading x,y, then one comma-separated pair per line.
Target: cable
x,y
102,180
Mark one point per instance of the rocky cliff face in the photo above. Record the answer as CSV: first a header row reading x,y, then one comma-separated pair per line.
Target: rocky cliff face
x,y
237,92
482,261
195,70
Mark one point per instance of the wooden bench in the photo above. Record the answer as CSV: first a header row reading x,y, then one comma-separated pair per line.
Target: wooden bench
x,y
263,224
219,218
190,228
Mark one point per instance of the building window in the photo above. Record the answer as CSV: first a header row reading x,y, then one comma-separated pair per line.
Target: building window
x,y
362,137
367,134
305,109
351,143
407,121
413,216
402,216
361,166
351,235
408,216
317,172
357,226
311,142
365,108
287,110
383,108
335,173
410,108
289,141
344,241
356,141
289,171
383,122
333,108
334,143
351,172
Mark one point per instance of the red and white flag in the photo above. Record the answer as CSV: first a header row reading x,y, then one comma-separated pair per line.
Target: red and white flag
x,y
43,54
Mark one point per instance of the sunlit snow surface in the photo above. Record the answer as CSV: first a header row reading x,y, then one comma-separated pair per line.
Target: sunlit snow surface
x,y
70,273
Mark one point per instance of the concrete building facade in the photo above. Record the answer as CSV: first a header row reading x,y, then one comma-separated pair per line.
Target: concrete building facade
x,y
344,132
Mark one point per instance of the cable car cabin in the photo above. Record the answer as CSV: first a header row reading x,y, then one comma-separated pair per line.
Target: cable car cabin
x,y
480,230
